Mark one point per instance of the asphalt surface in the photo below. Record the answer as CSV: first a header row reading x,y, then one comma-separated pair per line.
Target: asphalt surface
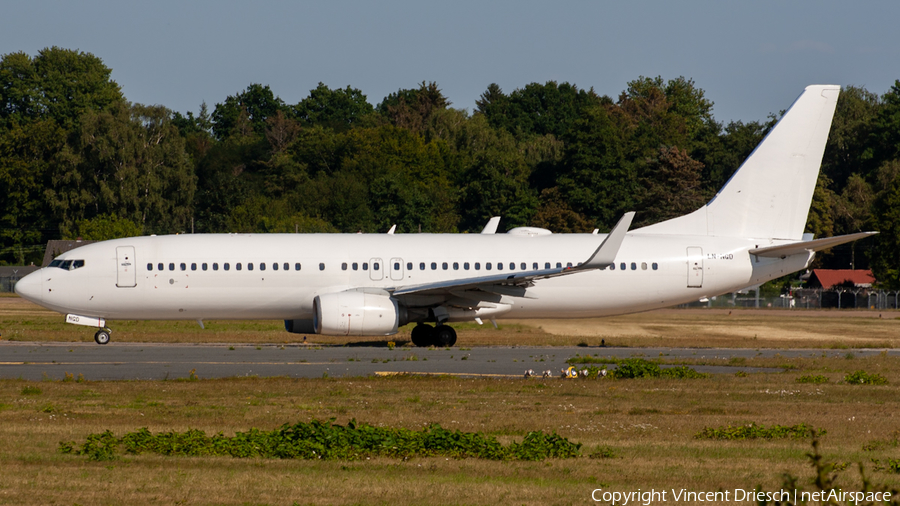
x,y
147,361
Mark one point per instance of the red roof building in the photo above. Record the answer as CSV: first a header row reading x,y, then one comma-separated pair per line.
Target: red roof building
x,y
830,278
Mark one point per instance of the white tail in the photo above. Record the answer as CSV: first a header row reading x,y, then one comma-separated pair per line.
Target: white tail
x,y
769,196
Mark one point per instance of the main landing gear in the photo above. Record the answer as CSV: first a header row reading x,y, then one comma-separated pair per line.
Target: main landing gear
x,y
441,336
102,336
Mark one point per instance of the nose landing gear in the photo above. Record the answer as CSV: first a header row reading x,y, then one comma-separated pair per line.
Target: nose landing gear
x,y
102,336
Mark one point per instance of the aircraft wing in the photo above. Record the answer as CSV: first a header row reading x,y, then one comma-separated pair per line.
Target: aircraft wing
x,y
515,284
796,248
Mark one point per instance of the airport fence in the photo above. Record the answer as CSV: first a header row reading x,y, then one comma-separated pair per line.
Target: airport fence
x,y
809,298
8,283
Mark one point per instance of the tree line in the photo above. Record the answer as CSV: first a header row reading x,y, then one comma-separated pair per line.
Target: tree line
x,y
77,159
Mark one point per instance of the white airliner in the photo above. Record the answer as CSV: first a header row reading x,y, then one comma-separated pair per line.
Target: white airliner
x,y
371,284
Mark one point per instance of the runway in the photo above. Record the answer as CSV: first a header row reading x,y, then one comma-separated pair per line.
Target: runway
x,y
143,361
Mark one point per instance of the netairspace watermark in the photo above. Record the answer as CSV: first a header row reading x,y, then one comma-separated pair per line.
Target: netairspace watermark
x,y
738,495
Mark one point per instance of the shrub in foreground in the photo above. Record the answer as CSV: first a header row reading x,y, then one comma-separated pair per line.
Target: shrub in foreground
x,y
327,440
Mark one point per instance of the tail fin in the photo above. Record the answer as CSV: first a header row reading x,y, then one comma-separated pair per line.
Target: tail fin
x,y
769,196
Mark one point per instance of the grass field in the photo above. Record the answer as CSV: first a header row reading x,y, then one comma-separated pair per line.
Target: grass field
x,y
643,428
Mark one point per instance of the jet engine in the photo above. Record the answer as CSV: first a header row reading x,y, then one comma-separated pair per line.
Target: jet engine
x,y
356,313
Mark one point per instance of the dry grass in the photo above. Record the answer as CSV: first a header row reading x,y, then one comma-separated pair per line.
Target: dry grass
x,y
649,424
740,328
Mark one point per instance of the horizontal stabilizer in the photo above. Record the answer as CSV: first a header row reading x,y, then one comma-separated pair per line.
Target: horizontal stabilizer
x,y
797,248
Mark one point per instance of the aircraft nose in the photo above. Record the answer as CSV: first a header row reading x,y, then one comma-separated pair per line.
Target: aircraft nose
x,y
29,287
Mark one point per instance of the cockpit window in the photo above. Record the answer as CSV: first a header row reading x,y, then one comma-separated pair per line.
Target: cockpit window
x,y
67,264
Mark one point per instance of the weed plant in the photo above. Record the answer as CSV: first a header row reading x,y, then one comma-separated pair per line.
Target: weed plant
x,y
754,431
863,378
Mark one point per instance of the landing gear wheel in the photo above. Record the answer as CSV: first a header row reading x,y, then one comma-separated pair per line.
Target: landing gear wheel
x,y
102,336
444,336
422,335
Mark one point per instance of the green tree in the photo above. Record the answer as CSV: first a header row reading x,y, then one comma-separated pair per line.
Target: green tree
x,y
671,186
412,109
26,152
886,255
129,161
58,84
339,109
104,227
537,109
248,109
886,128
595,179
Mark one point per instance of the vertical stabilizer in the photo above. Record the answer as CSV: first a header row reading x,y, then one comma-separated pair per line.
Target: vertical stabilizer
x,y
769,196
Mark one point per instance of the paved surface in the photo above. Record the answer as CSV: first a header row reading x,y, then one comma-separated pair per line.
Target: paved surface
x,y
141,361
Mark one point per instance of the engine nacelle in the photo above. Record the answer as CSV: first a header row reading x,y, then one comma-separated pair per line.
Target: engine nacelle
x,y
356,314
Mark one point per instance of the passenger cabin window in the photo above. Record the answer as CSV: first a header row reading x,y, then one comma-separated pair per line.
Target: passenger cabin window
x,y
159,267
171,267
546,265
409,266
297,266
226,266
612,267
287,266
559,265
262,266
466,265
183,266
434,266
365,266
655,266
487,266
149,266
355,266
249,266
633,266
376,266
215,266
477,266
622,266
274,266
322,266
204,266
499,266
444,266
421,266
643,266
193,267
344,266
569,264
396,266
237,266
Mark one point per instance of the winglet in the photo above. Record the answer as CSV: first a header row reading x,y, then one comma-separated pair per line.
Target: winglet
x,y
393,228
491,227
609,248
